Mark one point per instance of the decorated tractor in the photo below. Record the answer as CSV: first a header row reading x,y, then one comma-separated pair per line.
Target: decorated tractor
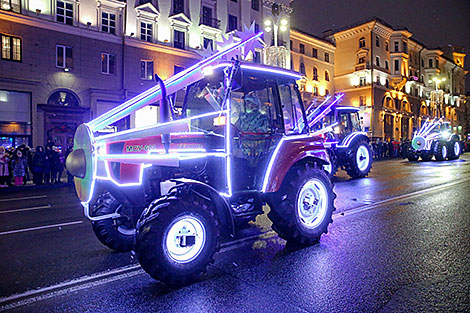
x,y
347,144
232,137
434,138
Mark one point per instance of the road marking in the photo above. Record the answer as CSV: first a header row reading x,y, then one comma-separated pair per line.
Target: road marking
x,y
31,296
23,198
368,207
38,228
27,209
84,282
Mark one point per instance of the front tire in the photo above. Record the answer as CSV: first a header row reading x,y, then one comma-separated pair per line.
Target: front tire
x,y
454,149
117,234
177,238
426,156
440,151
302,209
361,161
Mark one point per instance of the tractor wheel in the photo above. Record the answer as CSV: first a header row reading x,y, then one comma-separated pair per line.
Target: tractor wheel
x,y
302,208
117,233
412,157
179,240
426,156
361,161
440,151
331,168
454,149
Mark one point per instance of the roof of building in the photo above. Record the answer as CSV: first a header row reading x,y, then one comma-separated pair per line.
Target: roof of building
x,y
325,40
365,21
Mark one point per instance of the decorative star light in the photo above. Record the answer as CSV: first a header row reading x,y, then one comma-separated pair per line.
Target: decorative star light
x,y
205,52
226,43
251,46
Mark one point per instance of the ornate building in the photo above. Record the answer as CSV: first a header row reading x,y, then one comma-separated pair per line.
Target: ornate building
x,y
64,62
396,80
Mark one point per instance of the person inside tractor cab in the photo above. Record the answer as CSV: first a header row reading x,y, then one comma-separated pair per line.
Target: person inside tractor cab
x,y
254,119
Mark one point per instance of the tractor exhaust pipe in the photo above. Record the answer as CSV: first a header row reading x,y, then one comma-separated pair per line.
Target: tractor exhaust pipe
x,y
164,113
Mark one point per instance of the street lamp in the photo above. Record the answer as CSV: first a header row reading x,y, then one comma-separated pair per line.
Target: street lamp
x,y
276,23
437,80
437,96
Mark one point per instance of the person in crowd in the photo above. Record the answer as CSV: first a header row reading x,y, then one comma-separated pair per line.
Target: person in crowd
x,y
56,166
374,148
26,151
39,160
4,172
48,164
69,176
20,164
10,154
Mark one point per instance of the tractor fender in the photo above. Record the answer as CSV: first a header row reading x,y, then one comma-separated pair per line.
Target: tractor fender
x,y
223,210
290,151
344,148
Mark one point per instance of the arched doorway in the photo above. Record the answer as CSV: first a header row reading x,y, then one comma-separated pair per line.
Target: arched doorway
x,y
62,115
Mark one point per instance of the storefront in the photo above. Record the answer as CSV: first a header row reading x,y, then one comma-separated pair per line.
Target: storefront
x,y
15,118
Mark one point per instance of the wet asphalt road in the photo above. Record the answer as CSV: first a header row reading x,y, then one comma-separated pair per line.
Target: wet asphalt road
x,y
399,243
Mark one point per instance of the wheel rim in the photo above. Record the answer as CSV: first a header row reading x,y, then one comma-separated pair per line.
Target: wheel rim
x,y
185,239
444,152
362,158
312,203
456,148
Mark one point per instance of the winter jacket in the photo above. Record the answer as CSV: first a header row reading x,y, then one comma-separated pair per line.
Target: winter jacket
x,y
4,166
19,167
38,161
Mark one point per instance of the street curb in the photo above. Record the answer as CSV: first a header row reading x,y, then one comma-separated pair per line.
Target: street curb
x,y
14,189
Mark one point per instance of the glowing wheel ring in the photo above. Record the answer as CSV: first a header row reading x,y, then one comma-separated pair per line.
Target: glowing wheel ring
x,y
84,140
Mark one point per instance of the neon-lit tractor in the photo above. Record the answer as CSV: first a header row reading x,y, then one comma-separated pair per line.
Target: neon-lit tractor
x,y
346,142
232,138
434,138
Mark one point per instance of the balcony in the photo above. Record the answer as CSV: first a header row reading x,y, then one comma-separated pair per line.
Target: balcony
x,y
209,21
361,66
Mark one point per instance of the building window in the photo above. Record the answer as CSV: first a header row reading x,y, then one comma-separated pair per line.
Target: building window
x,y
396,47
255,5
208,44
108,22
108,63
177,69
11,5
146,31
386,83
207,17
377,41
11,48
64,57
361,60
327,92
405,47
327,76
327,57
232,23
396,66
257,57
302,48
377,60
178,39
362,101
386,65
386,45
146,70
430,63
362,81
64,12
315,90
256,28
314,53
178,6
302,69
291,45
362,42
315,73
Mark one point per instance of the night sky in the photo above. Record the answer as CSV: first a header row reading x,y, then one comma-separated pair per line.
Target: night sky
x,y
434,23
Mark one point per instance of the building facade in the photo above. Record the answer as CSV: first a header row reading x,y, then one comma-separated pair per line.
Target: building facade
x,y
65,62
314,58
394,79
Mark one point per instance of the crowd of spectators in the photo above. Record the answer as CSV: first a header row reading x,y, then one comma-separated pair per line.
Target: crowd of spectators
x,y
42,165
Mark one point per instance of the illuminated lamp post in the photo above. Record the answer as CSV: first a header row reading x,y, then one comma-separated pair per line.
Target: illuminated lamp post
x,y
276,22
437,96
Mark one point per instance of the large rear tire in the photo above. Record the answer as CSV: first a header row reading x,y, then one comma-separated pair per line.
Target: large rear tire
x,y
440,151
427,156
302,209
117,234
177,238
361,161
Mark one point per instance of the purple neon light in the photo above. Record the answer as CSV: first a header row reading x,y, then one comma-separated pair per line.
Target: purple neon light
x,y
325,111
